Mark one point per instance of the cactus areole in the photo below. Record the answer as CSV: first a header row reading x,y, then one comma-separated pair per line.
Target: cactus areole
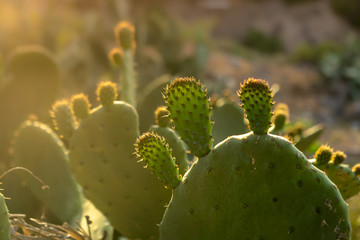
x,y
255,186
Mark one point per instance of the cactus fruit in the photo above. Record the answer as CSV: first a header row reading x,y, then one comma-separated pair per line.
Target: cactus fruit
x,y
102,160
229,119
250,186
345,178
37,148
178,147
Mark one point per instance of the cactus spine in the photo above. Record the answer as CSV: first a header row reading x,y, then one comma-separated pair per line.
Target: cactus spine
x,y
230,191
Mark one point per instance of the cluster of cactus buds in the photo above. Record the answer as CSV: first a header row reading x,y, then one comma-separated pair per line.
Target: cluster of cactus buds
x,y
332,163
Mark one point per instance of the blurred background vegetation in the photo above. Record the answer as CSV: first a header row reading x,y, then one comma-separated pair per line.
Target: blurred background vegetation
x,y
310,48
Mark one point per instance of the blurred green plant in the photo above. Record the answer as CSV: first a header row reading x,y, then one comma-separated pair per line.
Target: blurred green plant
x,y
262,42
312,54
179,47
343,67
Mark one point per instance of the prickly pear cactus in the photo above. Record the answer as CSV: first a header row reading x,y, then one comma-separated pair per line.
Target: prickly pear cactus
x,y
251,186
163,129
187,103
4,220
32,84
345,178
102,159
38,148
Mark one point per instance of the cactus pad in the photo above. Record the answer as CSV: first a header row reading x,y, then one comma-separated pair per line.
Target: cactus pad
x,y
102,159
190,111
80,106
38,148
106,93
253,187
125,35
153,149
63,119
116,56
256,96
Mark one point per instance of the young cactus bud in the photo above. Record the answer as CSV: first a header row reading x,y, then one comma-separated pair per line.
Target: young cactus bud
x,y
190,111
356,169
116,57
106,93
323,155
281,116
338,157
125,35
80,106
156,153
256,96
162,117
63,119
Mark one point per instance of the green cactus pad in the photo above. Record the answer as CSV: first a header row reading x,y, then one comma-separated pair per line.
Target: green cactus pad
x,y
63,119
162,117
323,155
255,187
37,148
342,175
4,220
80,106
256,96
116,56
125,35
189,109
106,93
103,161
156,153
